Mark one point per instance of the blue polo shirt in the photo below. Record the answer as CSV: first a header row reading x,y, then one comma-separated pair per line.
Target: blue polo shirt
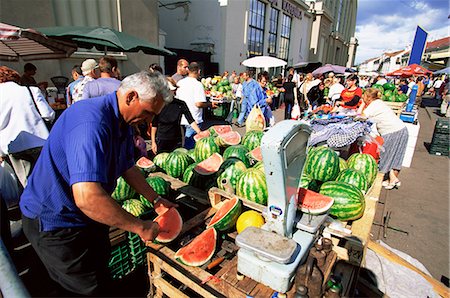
x,y
88,143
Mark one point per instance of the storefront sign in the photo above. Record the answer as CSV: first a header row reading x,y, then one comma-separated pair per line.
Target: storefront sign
x,y
292,9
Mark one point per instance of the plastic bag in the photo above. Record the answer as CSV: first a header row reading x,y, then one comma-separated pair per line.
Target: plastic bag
x,y
295,112
255,119
8,185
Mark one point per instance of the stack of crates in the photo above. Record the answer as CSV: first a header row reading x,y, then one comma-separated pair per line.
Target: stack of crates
x,y
120,263
440,144
138,250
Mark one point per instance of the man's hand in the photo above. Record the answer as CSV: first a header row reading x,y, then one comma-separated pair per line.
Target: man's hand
x,y
154,148
163,205
149,231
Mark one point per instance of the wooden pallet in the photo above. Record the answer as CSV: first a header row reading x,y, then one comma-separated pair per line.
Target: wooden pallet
x,y
397,107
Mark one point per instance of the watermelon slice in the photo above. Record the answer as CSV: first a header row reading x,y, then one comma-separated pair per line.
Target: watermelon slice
x,y
312,202
230,138
220,129
226,217
256,154
170,225
200,250
145,163
201,135
210,165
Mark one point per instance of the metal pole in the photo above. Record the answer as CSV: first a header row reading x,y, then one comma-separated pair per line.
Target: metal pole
x,y
11,285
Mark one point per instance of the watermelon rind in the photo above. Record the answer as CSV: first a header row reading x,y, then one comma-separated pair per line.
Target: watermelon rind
x,y
366,164
188,173
123,191
174,216
355,178
146,164
135,207
204,148
230,170
177,162
219,129
251,185
202,167
238,151
322,165
160,160
223,140
349,202
252,139
197,245
319,197
342,164
259,165
228,220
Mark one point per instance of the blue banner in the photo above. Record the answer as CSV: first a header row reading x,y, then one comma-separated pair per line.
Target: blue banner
x,y
418,46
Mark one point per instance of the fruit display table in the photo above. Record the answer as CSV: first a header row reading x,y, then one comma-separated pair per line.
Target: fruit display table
x,y
171,278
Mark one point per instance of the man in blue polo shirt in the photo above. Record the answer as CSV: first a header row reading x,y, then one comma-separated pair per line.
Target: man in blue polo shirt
x,y
67,207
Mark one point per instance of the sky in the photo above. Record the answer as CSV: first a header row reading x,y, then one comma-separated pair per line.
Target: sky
x,y
390,25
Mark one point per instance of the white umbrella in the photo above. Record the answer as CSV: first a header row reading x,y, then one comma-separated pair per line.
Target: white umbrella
x,y
263,62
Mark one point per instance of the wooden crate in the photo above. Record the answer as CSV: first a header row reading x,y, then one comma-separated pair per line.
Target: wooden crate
x,y
397,107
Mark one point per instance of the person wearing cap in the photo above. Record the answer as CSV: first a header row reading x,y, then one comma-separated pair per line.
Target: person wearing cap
x,y
166,134
182,70
191,91
90,73
67,207
106,83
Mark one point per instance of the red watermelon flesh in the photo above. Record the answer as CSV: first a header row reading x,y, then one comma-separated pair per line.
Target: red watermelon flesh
x,y
230,138
201,135
256,154
312,202
170,225
221,129
200,250
210,165
145,163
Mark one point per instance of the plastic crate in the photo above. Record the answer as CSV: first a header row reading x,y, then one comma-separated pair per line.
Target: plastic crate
x,y
120,262
138,250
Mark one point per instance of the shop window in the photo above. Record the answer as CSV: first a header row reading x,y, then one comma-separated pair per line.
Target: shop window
x,y
285,37
273,31
256,28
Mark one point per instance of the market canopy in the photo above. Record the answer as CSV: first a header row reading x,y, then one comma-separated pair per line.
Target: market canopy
x,y
332,68
409,70
104,39
443,71
263,62
28,44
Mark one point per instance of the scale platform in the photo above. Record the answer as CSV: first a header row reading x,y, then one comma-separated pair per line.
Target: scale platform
x,y
310,223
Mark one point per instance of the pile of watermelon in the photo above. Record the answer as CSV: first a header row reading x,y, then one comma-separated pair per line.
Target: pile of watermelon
x,y
345,182
389,93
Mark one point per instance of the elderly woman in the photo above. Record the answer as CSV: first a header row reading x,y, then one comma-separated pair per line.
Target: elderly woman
x,y
393,131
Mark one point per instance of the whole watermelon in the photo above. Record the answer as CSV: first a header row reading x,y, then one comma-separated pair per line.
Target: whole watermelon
x,y
322,165
364,163
259,165
135,207
123,191
353,177
349,201
230,170
191,154
204,148
252,186
187,175
177,162
238,151
159,185
379,87
342,164
252,139
160,160
389,86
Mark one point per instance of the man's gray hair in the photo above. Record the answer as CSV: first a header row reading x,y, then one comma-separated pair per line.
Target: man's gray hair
x,y
147,85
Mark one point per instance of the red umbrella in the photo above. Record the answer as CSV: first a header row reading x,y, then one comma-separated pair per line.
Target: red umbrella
x,y
409,70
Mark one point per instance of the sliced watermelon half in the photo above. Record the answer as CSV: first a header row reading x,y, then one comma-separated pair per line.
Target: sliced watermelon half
x,y
210,165
201,135
230,138
200,250
170,225
146,164
226,217
220,129
312,202
256,154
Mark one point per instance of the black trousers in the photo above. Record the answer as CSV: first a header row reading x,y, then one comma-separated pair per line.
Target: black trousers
x,y
76,258
167,145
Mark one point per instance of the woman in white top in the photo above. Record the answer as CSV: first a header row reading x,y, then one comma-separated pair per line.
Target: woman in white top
x,y
22,128
393,131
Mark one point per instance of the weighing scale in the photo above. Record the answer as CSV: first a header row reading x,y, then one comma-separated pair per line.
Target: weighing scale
x,y
410,113
271,254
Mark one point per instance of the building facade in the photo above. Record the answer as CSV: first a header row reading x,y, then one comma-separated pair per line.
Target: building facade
x,y
234,30
333,31
122,15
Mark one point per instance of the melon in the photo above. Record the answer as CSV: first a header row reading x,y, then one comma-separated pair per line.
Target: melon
x,y
220,129
349,202
312,202
229,172
252,139
210,165
256,154
252,186
200,250
238,151
146,164
366,164
160,160
231,138
177,162
170,225
249,218
201,135
322,165
226,217
259,165
123,191
204,148
135,207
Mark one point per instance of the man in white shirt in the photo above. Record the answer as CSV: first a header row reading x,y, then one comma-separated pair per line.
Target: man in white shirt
x,y
411,84
381,81
191,91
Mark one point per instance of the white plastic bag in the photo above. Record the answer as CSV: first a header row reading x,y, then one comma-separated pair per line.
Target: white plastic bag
x,y
295,112
255,119
8,185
